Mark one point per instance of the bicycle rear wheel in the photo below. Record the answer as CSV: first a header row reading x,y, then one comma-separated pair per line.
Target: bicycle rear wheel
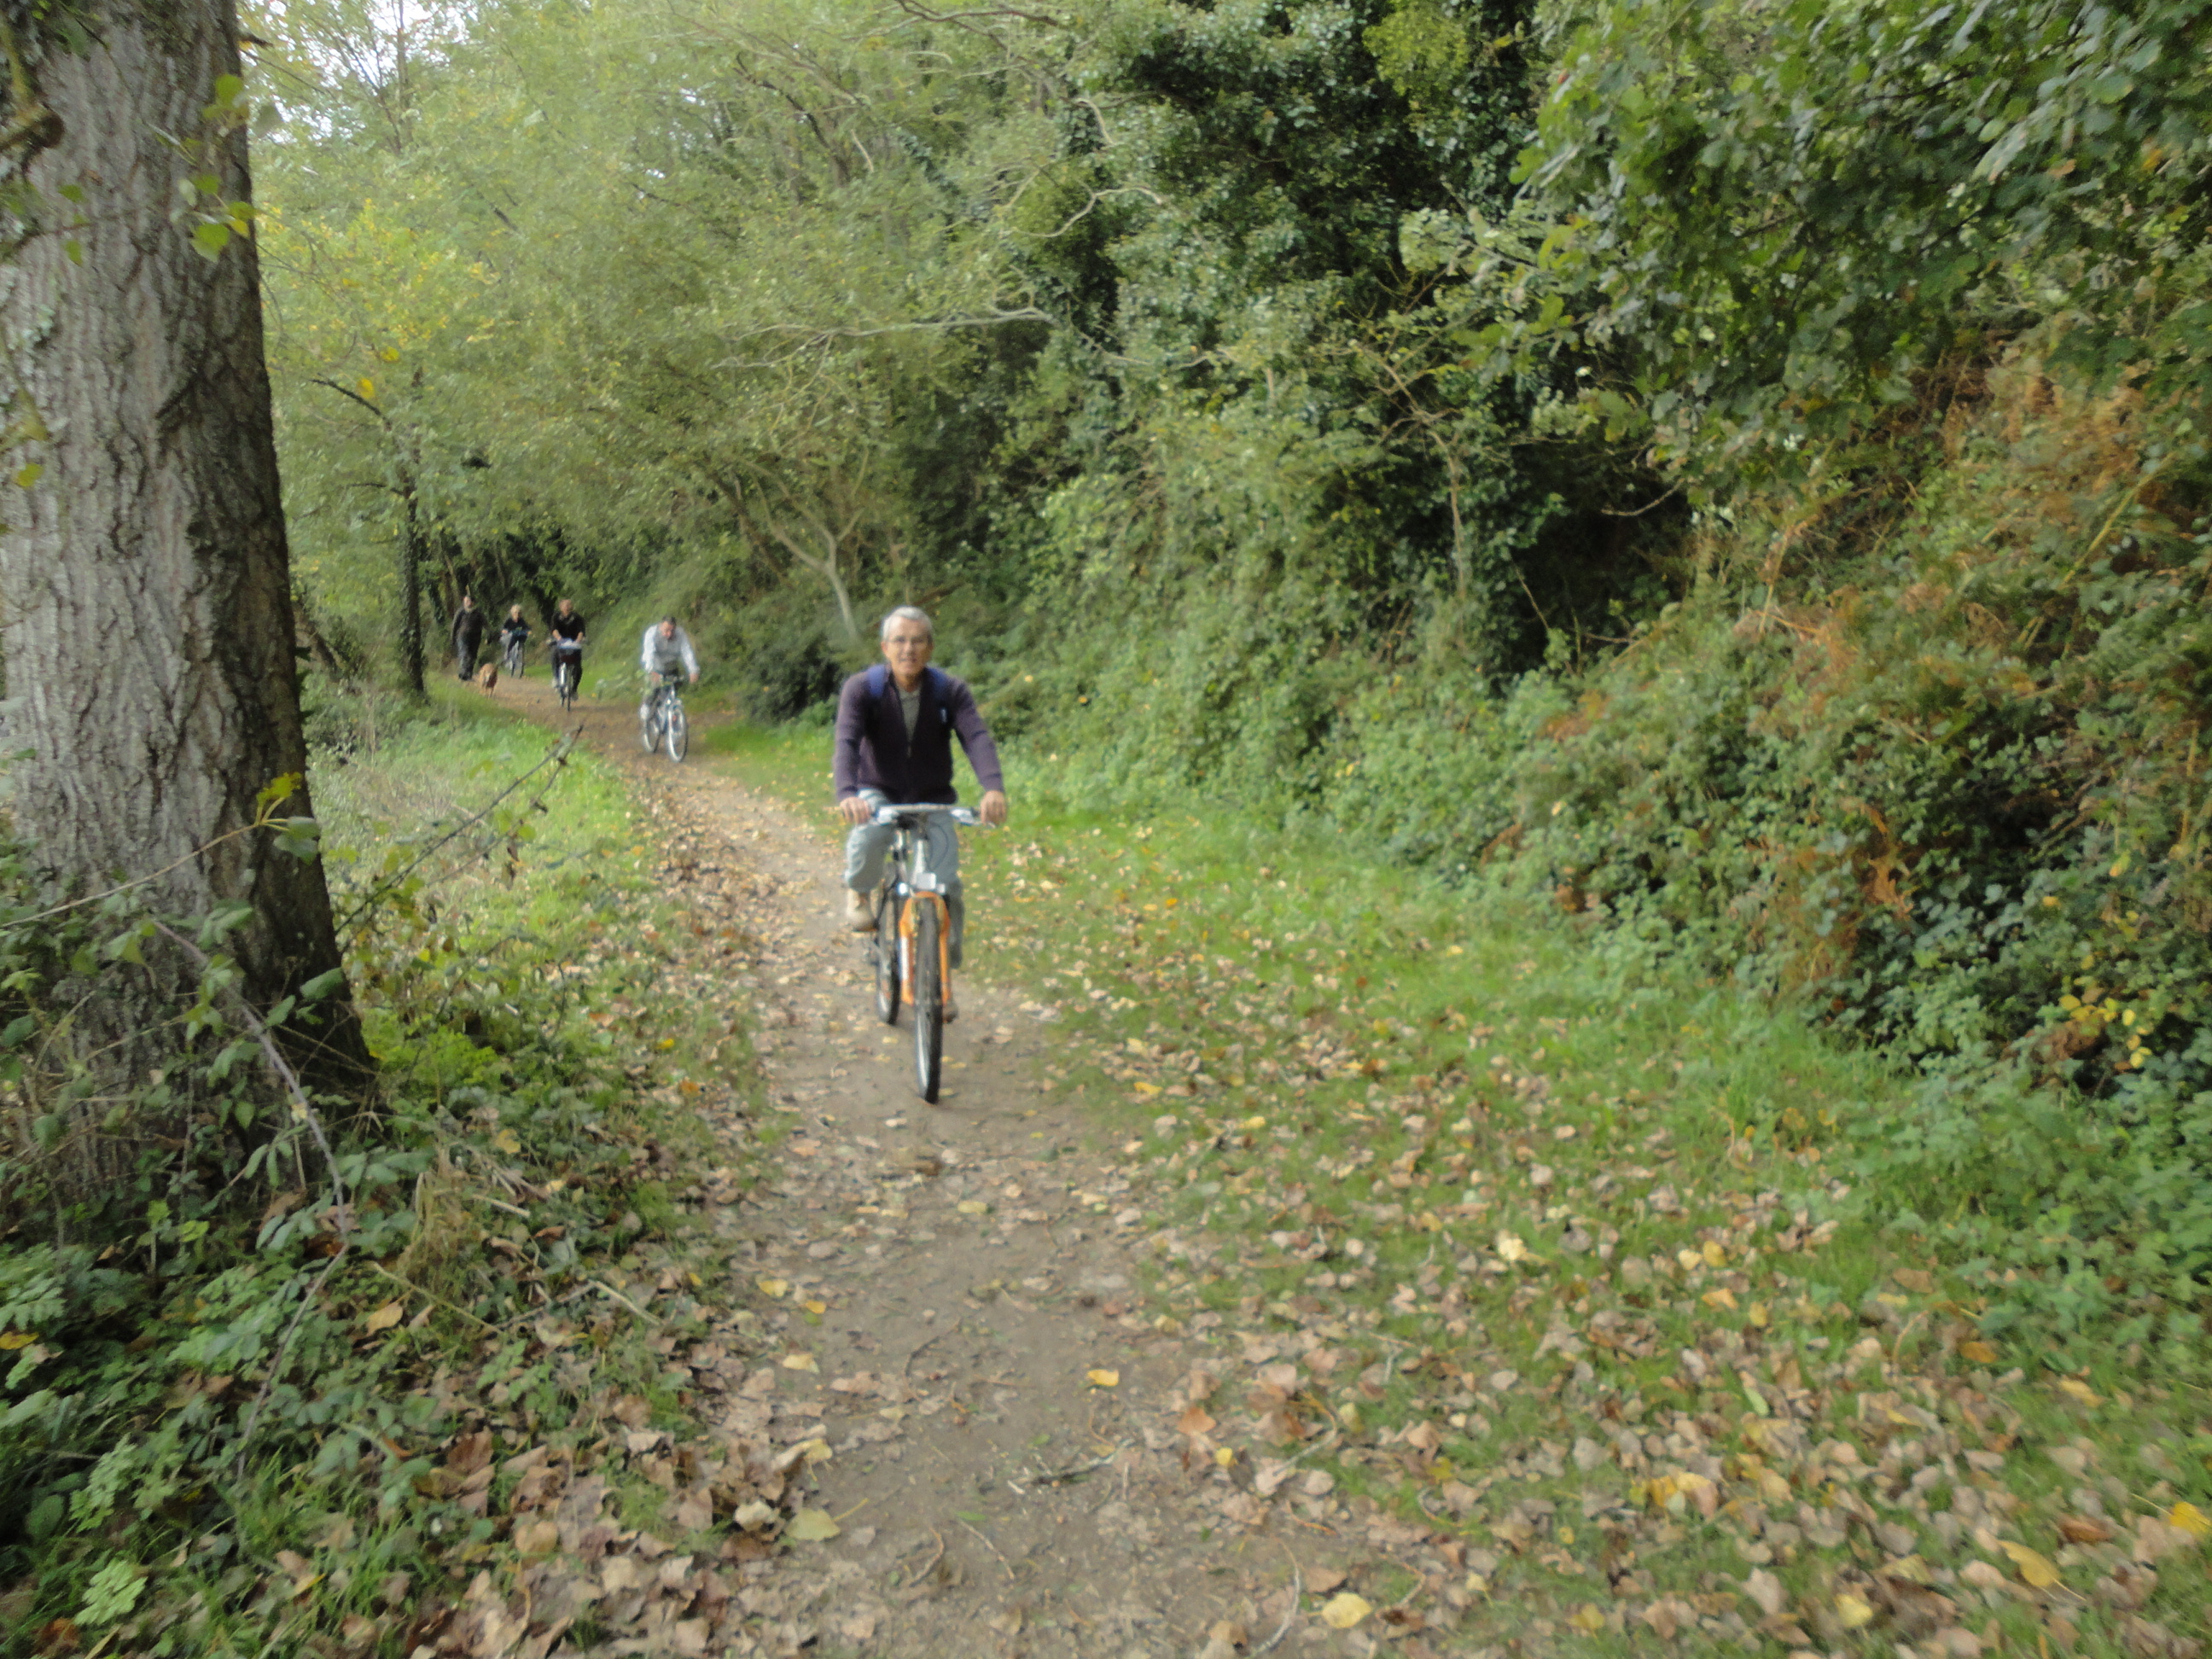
x,y
886,951
928,999
679,732
648,725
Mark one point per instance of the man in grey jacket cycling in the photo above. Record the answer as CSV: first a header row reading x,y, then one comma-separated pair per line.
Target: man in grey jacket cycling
x,y
666,649
895,724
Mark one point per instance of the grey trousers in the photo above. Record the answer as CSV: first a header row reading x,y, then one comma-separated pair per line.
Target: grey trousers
x,y
869,845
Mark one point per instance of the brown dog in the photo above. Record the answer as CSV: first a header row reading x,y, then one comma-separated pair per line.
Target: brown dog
x,y
487,676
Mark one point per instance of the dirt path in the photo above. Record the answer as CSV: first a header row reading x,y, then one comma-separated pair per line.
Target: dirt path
x,y
948,1290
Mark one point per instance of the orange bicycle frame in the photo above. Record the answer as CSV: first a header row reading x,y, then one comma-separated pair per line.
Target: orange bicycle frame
x,y
906,944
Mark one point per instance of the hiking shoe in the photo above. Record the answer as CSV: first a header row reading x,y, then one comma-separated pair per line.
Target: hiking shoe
x,y
859,912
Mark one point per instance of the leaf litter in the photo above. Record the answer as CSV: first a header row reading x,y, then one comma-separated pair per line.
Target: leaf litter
x,y
1351,1384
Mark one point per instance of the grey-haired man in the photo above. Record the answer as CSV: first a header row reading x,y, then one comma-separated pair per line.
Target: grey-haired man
x,y
896,726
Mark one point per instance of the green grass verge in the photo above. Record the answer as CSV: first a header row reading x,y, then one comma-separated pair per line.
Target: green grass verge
x,y
1574,1268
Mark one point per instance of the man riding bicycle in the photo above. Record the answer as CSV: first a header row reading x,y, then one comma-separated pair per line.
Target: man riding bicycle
x,y
895,723
569,638
666,649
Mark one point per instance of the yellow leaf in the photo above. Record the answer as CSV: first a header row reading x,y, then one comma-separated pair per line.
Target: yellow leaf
x,y
505,1142
2080,1390
18,1339
773,1288
2190,1519
1851,1611
1146,1088
2035,1569
1757,1314
1587,1619
973,1207
1511,1248
367,387
815,1307
1104,1379
1224,1456
1723,1298
798,1362
384,1318
1343,1610
1715,1256
813,1527
1977,1352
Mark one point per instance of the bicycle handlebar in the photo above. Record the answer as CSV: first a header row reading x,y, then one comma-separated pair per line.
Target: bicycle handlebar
x,y
966,815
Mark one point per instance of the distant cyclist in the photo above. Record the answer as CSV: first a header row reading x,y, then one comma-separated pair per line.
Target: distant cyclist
x,y
513,635
895,724
568,637
666,649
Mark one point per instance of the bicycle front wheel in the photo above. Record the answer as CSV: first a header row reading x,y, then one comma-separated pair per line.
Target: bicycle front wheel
x,y
928,999
886,949
679,732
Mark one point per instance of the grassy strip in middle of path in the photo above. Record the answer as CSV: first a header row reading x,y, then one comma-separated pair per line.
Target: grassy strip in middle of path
x,y
1572,1272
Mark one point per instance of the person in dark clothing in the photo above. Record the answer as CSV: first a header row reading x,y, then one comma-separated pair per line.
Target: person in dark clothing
x,y
896,724
569,638
514,634
468,636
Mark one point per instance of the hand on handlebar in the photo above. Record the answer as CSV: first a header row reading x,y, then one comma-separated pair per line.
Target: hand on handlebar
x,y
855,811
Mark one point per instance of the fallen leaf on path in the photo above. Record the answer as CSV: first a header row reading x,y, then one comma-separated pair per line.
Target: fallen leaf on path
x,y
1766,1590
2080,1390
2190,1519
1851,1611
773,1288
798,1362
384,1318
1345,1610
2036,1570
813,1527
1103,1379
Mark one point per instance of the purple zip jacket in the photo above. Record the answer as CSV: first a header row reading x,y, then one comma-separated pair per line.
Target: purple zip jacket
x,y
872,751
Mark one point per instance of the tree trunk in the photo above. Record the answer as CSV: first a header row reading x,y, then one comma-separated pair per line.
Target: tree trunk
x,y
413,546
148,629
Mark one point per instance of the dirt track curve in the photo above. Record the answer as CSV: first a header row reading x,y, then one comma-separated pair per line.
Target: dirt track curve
x,y
973,1263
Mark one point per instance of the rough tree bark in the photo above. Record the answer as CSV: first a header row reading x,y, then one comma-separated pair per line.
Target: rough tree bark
x,y
147,619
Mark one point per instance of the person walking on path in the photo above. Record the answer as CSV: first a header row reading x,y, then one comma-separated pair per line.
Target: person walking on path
x,y
895,724
468,637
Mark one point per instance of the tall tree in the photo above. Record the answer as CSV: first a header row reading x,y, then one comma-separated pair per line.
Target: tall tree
x,y
148,630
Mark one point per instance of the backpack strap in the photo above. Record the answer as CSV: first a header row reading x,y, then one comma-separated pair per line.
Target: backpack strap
x,y
877,676
938,690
